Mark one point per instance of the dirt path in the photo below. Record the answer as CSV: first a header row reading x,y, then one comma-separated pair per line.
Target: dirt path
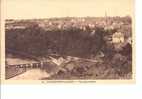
x,y
33,74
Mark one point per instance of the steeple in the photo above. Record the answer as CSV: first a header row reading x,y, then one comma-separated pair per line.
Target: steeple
x,y
106,16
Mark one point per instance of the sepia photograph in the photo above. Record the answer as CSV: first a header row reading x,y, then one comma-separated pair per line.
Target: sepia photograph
x,y
51,40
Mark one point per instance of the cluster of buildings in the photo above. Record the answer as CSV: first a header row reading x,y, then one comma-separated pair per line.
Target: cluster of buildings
x,y
83,23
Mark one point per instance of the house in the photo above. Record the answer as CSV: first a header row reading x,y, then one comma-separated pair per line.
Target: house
x,y
118,37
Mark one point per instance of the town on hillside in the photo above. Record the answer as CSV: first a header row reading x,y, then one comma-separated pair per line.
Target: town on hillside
x,y
69,48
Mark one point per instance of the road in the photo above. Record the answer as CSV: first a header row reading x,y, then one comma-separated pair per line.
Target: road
x,y
33,74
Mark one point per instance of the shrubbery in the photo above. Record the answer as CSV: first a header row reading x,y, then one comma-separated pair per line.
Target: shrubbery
x,y
38,42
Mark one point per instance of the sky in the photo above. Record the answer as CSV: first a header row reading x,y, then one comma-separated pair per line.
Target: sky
x,y
28,9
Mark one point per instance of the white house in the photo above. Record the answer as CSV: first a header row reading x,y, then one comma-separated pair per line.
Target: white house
x,y
118,37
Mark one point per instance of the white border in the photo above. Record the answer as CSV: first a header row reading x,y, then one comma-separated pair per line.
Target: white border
x,y
85,91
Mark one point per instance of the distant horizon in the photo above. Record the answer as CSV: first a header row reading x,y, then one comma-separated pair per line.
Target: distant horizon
x,y
67,17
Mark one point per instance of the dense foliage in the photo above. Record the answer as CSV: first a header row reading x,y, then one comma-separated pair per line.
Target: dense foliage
x,y
39,42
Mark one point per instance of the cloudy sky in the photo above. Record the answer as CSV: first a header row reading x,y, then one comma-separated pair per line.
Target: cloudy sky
x,y
27,9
